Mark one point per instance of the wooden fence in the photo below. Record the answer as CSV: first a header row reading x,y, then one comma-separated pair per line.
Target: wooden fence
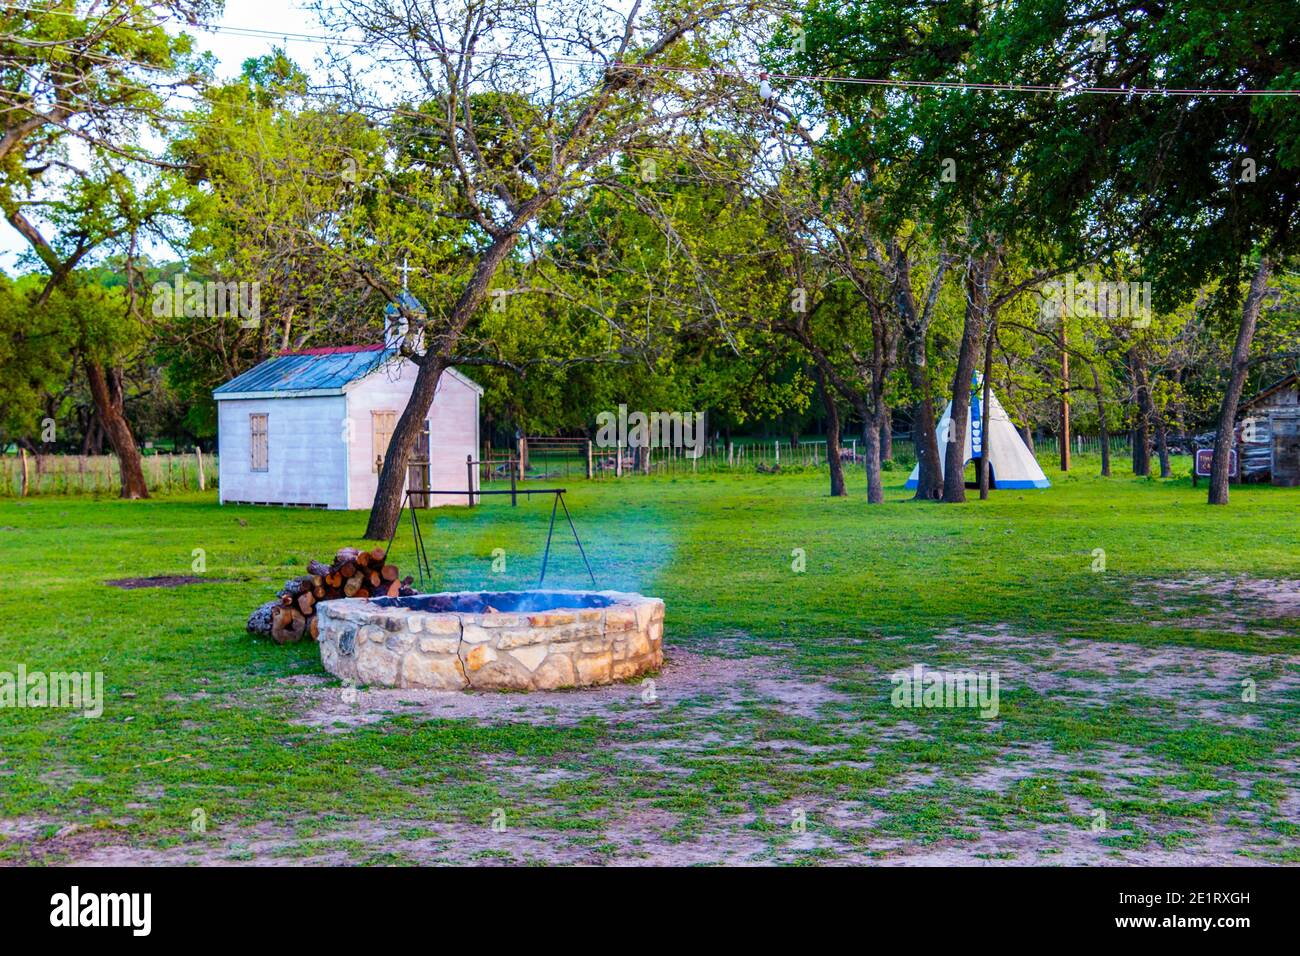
x,y
100,474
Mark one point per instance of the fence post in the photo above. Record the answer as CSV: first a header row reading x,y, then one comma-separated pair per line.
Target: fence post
x,y
519,456
22,487
589,458
514,495
198,459
469,478
777,445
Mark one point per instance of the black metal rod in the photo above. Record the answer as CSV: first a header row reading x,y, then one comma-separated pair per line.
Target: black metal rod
x,y
577,540
422,564
425,567
549,531
388,549
492,491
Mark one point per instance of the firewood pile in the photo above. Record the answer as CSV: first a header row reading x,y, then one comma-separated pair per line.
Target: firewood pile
x,y
354,573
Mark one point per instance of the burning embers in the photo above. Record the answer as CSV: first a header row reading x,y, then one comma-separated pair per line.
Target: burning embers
x,y
498,640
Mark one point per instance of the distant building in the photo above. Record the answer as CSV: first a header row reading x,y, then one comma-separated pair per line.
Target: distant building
x,y
1269,426
311,428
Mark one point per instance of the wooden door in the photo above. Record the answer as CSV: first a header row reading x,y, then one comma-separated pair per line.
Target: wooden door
x,y
417,472
1286,450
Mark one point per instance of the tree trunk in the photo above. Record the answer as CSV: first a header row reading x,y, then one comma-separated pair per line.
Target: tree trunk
x,y
1101,423
1027,434
977,298
1232,397
1162,446
832,438
92,442
984,409
871,456
1141,430
387,509
1065,395
929,483
106,390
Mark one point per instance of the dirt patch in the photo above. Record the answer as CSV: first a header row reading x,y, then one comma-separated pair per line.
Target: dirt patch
x,y
1240,602
644,836
162,581
1200,684
708,684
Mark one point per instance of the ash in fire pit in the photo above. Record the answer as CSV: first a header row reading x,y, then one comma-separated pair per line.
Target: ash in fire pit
x,y
517,602
494,640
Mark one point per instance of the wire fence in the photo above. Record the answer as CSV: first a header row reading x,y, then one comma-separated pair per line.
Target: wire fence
x,y
543,458
568,458
23,474
537,458
1121,444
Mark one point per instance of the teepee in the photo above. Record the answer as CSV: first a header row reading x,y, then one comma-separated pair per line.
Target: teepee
x,y
1011,464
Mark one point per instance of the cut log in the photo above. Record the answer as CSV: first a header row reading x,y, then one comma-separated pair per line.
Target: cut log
x,y
287,625
259,622
355,572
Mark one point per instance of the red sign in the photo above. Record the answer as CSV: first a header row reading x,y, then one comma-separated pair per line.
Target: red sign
x,y
1205,460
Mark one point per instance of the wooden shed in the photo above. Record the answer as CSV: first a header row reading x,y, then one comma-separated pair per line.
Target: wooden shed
x,y
1269,426
311,428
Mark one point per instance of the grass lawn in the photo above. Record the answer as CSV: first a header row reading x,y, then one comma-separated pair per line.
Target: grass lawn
x,y
1122,734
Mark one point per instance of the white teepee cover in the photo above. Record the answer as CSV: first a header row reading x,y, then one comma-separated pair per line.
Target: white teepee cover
x,y
1012,464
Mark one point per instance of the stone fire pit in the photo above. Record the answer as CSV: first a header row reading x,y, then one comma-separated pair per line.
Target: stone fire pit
x,y
495,640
